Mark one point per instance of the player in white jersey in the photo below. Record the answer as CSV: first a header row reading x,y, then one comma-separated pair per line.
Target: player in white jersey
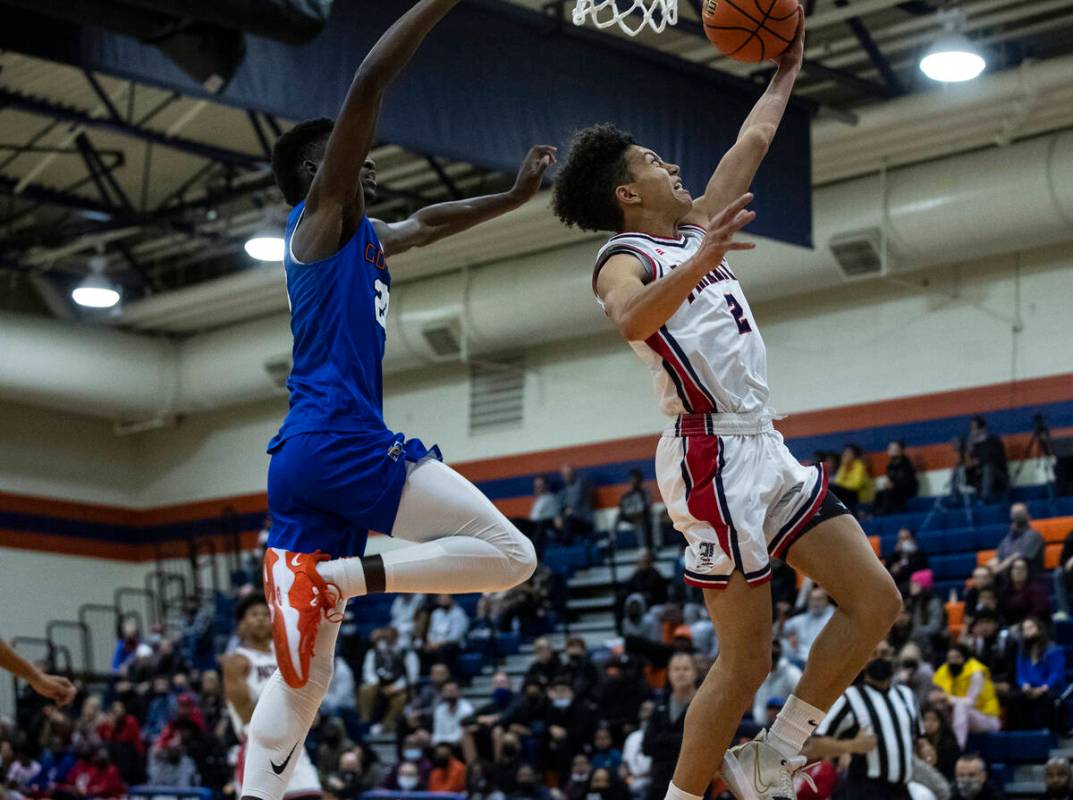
x,y
247,670
730,484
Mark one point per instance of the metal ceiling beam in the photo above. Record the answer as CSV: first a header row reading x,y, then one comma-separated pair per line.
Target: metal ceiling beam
x,y
47,108
875,55
847,79
56,197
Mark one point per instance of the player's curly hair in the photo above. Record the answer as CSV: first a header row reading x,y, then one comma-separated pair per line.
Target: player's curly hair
x,y
247,602
301,143
584,194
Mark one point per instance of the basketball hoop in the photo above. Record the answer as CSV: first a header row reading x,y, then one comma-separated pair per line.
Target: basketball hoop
x,y
654,14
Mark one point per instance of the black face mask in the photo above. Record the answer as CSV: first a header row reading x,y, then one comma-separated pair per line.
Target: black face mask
x,y
879,669
955,669
1032,641
911,664
510,751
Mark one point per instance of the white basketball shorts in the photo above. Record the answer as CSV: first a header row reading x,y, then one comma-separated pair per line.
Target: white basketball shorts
x,y
737,494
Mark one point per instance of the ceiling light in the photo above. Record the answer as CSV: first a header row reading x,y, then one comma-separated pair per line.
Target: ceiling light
x,y
265,248
95,290
952,59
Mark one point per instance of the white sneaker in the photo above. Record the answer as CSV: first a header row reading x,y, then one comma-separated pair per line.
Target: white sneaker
x,y
757,771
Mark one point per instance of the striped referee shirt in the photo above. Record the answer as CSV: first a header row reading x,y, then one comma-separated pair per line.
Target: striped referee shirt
x,y
894,719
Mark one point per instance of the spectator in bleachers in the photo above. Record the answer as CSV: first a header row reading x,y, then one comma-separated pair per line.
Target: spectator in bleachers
x,y
990,644
408,617
528,786
579,671
799,632
852,484
479,784
986,470
637,765
605,784
478,727
568,724
56,761
448,773
126,648
1058,779
418,713
966,691
171,766
940,736
341,699
636,621
1023,595
1021,542
982,578
604,754
647,580
333,743
408,778
447,629
577,786
635,509
358,772
1040,679
621,693
93,776
413,753
522,607
388,672
22,770
906,559
545,510
212,702
161,708
663,734
926,611
545,667
971,780
448,716
780,683
899,484
504,770
915,672
575,505
1063,580
123,735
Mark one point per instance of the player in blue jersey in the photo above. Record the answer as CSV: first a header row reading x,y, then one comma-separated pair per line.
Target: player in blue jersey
x,y
337,470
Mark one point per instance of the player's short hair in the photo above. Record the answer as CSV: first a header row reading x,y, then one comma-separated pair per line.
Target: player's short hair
x,y
584,194
301,143
246,603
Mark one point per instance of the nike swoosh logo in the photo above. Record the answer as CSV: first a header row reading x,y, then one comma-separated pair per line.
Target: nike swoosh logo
x,y
294,561
278,768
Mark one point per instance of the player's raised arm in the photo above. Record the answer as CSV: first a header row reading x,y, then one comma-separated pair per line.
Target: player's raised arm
x,y
436,222
338,179
735,172
639,309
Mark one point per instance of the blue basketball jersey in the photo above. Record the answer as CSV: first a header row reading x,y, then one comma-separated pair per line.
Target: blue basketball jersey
x,y
338,318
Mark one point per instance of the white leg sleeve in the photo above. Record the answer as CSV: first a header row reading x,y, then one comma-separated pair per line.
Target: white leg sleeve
x,y
282,719
463,543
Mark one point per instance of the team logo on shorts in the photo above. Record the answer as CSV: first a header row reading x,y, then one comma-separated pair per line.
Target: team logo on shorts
x,y
707,553
395,451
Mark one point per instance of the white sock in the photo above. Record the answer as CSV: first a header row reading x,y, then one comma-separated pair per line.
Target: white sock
x,y
674,793
794,724
346,573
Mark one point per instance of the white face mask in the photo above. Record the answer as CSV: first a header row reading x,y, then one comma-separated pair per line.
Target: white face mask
x,y
407,783
411,754
561,702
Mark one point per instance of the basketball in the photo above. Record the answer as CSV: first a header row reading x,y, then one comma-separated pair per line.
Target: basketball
x,y
750,30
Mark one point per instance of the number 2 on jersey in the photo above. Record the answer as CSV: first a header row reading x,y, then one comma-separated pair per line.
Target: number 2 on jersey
x,y
381,297
738,313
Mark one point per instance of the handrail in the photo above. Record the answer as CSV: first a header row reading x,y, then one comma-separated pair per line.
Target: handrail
x,y
83,629
125,591
209,545
85,608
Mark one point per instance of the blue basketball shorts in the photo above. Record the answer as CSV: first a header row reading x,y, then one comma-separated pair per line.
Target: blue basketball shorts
x,y
326,491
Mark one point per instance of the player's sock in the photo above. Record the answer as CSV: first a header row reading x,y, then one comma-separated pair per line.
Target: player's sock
x,y
349,575
674,793
794,724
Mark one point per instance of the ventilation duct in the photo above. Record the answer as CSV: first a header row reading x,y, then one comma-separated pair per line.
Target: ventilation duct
x,y
859,255
981,204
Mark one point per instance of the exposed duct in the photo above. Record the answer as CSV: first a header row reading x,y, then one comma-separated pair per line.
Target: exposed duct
x,y
971,206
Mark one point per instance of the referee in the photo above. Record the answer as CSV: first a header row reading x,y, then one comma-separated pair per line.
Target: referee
x,y
877,723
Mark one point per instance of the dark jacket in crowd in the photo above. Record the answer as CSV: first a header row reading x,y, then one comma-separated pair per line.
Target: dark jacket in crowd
x,y
663,740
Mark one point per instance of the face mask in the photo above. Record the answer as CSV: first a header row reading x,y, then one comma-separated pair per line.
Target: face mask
x,y
816,612
441,761
1032,641
879,669
561,702
526,787
911,664
1020,522
969,787
510,751
579,777
955,669
382,646
451,701
411,754
502,697
576,657
907,548
407,783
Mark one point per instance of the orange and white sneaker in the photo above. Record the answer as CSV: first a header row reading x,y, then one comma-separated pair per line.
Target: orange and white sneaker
x,y
299,599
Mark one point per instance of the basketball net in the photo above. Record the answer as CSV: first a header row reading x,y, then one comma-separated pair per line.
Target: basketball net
x,y
654,14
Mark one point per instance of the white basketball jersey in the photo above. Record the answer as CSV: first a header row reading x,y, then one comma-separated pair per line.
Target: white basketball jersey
x,y
262,667
709,356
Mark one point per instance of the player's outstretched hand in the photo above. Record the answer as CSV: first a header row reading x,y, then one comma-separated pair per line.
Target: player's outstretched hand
x,y
532,170
55,688
793,55
720,237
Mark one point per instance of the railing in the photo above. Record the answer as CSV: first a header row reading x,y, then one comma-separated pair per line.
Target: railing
x,y
152,618
55,625
103,644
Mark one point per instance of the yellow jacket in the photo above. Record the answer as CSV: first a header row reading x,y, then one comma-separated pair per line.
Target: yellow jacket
x,y
856,477
986,702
